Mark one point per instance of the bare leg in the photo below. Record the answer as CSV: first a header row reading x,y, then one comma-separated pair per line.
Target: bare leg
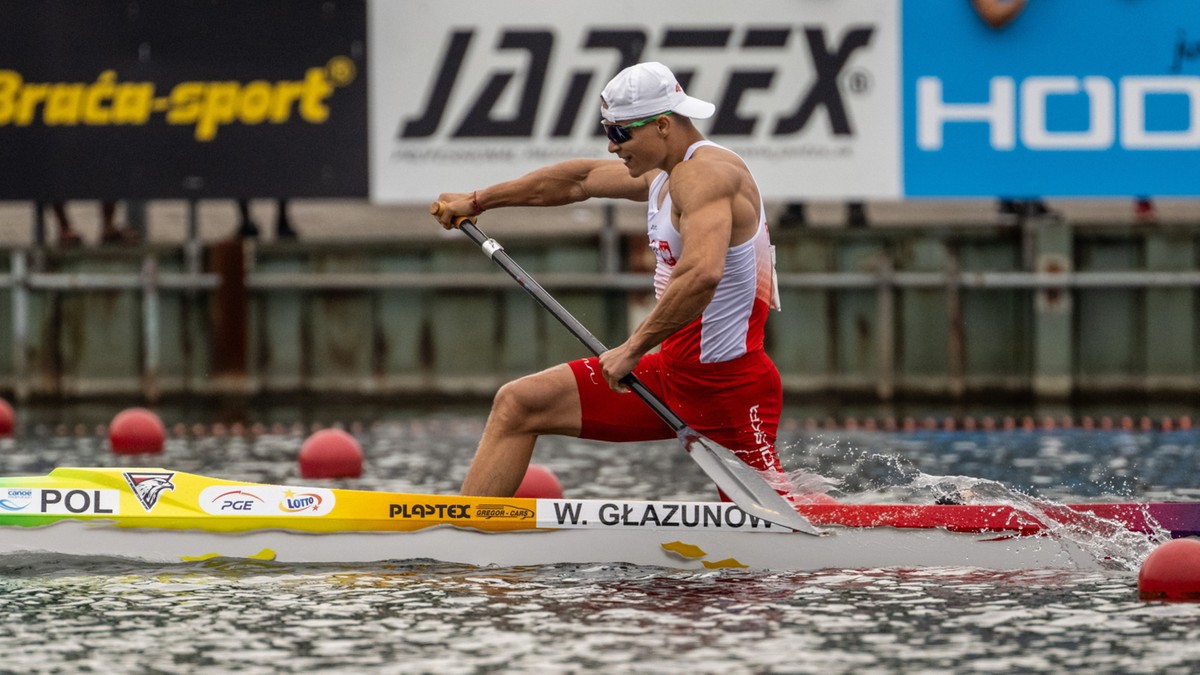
x,y
247,228
108,221
109,232
108,214
543,403
67,236
283,224
60,212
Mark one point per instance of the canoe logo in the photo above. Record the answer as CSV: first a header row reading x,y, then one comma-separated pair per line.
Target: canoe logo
x,y
16,499
148,486
294,502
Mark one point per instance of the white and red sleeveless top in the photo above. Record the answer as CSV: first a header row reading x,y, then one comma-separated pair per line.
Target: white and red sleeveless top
x,y
732,325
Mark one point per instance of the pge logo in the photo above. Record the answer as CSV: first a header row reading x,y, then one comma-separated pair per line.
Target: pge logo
x,y
237,501
573,92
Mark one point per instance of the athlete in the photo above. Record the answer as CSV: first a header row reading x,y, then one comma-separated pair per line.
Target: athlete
x,y
714,284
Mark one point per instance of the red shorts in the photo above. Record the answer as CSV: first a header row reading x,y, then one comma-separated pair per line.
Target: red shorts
x,y
736,403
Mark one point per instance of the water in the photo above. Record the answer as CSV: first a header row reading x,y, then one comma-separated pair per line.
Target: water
x,y
72,614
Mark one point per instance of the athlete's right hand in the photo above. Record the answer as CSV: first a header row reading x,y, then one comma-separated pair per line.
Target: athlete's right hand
x,y
615,364
456,206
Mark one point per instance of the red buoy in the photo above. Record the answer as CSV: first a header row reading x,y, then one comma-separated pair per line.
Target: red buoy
x,y
135,431
331,453
539,483
1172,572
6,418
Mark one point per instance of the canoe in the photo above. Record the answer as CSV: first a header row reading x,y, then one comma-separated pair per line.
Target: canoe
x,y
163,516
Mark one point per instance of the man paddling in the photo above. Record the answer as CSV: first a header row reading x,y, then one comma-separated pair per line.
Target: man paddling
x,y
714,283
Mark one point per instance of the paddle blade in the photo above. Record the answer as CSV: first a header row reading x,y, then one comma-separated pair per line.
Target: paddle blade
x,y
742,483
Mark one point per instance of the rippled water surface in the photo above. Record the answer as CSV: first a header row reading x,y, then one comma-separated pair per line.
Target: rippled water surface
x,y
73,614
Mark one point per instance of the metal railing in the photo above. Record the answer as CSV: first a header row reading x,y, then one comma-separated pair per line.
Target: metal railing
x,y
151,282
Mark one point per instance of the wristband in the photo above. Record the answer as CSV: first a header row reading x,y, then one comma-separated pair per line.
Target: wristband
x,y
475,203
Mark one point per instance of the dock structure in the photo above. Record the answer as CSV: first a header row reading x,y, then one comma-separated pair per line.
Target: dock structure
x,y
944,301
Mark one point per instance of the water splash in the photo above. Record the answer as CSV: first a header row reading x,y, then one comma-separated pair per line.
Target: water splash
x,y
873,477
806,482
1110,542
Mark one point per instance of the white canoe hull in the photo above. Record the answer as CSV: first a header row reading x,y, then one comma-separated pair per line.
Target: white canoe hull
x,y
843,548
160,516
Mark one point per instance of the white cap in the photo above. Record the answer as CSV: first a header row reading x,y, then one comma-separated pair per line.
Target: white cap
x,y
648,89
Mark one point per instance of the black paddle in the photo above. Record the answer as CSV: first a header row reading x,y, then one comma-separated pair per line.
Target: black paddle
x,y
741,482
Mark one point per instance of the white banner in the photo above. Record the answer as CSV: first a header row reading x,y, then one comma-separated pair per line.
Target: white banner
x,y
600,514
466,93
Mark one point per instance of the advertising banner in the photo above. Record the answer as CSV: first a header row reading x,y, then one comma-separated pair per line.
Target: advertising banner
x,y
1074,97
854,99
189,98
467,93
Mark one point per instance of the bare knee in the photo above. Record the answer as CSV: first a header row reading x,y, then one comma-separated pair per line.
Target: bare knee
x,y
538,404
514,406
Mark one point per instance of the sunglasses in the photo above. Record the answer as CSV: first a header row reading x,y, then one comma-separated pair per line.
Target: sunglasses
x,y
622,134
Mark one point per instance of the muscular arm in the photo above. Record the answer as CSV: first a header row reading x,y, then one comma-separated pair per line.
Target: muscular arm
x,y
703,193
564,183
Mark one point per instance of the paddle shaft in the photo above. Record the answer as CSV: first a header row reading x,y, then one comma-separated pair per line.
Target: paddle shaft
x,y
497,253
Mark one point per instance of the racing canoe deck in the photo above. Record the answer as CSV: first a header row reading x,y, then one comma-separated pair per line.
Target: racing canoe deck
x,y
160,515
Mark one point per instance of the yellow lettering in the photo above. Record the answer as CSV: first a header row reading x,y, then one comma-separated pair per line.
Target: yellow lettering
x,y
94,112
10,84
62,105
255,102
207,105
185,103
316,90
219,101
27,102
131,104
285,94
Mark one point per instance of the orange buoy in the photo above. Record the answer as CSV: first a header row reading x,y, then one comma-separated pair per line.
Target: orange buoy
x,y
331,453
135,431
1172,571
539,483
6,418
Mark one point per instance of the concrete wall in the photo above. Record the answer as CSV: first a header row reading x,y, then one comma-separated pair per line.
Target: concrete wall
x,y
1046,308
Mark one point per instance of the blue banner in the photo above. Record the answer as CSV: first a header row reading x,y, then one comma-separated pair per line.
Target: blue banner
x,y
1072,98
